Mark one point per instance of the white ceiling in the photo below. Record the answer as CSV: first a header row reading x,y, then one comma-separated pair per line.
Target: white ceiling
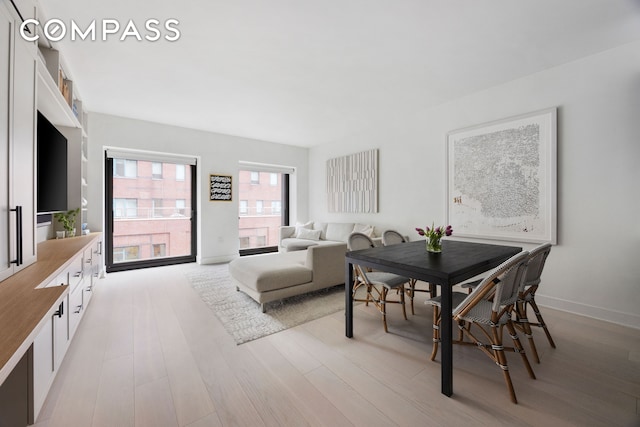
x,y
307,72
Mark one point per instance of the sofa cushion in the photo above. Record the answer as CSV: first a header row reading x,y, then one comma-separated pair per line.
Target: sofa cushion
x,y
339,232
307,234
364,229
268,272
297,244
322,226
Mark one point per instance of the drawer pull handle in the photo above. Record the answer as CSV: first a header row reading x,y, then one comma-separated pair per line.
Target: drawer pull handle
x,y
88,289
60,310
78,274
78,309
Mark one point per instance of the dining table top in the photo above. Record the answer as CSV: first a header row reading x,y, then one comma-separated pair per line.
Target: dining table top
x,y
458,261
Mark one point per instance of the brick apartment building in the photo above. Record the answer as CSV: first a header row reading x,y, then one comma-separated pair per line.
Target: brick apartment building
x,y
152,210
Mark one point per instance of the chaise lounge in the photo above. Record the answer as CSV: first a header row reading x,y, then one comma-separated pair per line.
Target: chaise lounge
x,y
274,276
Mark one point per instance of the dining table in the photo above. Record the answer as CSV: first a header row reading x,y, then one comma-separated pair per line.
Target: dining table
x,y
457,262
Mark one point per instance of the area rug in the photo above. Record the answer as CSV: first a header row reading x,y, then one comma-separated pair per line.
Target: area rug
x,y
243,318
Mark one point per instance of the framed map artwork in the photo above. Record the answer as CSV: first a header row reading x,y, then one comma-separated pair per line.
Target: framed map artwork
x,y
501,179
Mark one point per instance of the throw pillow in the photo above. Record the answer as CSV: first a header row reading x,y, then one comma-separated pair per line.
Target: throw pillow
x,y
306,225
307,234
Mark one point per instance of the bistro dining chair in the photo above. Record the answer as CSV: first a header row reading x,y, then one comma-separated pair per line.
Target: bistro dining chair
x,y
377,283
393,237
535,265
482,316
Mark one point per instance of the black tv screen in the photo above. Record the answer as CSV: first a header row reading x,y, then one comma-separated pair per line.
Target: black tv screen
x,y
52,167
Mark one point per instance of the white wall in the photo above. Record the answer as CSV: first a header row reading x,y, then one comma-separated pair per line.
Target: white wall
x,y
595,268
219,154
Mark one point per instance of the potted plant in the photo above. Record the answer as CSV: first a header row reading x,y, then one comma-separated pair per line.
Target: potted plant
x,y
68,221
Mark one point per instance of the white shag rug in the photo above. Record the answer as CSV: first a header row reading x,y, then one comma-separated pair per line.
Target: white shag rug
x,y
242,316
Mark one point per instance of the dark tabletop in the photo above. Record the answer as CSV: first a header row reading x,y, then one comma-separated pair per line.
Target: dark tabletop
x,y
457,262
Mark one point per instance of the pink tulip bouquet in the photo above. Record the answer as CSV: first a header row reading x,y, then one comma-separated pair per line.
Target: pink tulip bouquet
x,y
433,235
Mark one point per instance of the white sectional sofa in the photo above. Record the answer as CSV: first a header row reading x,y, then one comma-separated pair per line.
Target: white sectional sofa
x,y
311,257
301,236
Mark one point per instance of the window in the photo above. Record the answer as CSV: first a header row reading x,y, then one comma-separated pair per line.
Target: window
x,y
156,170
159,250
125,208
244,207
149,213
263,206
180,206
255,178
123,168
156,208
126,253
180,172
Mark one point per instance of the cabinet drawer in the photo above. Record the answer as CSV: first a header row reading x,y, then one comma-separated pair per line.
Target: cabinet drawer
x,y
75,273
76,309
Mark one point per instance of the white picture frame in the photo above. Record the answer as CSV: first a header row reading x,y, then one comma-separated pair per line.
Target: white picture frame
x,y
502,179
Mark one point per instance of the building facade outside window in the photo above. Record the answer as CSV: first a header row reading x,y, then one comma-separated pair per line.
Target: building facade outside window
x,y
243,207
123,168
126,253
262,207
125,208
159,250
156,170
151,206
180,171
181,204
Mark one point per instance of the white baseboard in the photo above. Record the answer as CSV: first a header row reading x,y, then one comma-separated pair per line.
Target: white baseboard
x,y
631,320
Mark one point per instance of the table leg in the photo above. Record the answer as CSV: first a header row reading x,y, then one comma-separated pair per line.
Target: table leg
x,y
446,349
348,294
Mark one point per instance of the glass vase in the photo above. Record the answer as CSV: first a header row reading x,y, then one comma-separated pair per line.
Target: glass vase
x,y
434,245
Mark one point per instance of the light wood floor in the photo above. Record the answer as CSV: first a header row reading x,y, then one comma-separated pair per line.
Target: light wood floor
x,y
150,353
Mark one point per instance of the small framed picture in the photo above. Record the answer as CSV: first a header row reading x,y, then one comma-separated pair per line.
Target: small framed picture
x,y
220,189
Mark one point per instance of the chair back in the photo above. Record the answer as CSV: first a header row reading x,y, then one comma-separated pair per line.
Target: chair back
x,y
358,241
392,237
502,285
537,259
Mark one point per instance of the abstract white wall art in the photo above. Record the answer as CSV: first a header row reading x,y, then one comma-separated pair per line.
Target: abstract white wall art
x,y
501,179
352,183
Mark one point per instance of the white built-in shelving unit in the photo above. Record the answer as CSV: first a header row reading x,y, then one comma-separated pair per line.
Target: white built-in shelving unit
x,y
59,100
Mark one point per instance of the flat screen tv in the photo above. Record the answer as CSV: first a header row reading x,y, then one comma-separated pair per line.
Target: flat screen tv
x,y
52,167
